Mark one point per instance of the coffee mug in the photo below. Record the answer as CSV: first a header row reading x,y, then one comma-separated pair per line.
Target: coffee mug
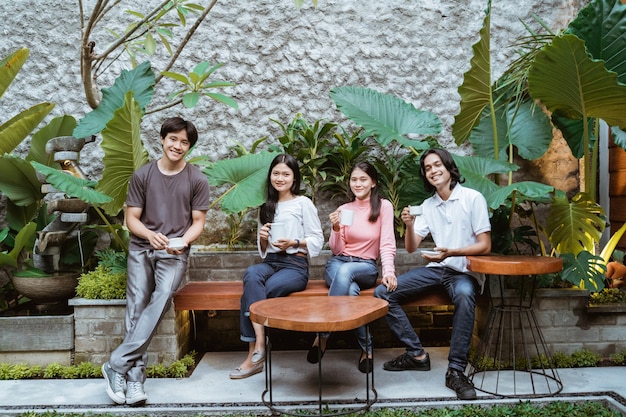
x,y
415,210
277,232
346,217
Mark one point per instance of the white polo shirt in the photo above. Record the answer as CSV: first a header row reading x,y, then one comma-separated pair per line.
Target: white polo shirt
x,y
454,223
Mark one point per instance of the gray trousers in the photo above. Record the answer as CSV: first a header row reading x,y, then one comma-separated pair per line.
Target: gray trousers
x,y
153,277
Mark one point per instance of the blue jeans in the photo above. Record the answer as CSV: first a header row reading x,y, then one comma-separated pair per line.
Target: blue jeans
x,y
277,276
347,275
462,289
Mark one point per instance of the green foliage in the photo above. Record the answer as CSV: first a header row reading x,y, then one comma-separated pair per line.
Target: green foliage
x,y
345,151
577,359
607,296
108,280
139,81
584,270
585,358
178,369
618,358
246,175
195,85
310,145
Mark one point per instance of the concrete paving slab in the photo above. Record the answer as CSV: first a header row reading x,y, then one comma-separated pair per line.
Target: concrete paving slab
x,y
209,389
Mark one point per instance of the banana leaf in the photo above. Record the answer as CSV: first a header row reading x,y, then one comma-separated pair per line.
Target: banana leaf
x,y
15,130
384,116
247,175
124,153
10,66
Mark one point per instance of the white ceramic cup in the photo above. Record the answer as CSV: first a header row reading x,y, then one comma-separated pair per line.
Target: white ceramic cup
x,y
415,210
277,232
346,217
176,243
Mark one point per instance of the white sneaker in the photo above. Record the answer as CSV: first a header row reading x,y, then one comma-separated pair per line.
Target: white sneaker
x,y
135,394
116,384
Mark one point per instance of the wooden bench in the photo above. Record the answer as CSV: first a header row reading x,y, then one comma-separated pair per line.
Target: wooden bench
x,y
226,295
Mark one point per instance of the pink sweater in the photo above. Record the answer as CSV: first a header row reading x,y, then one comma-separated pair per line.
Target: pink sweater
x,y
367,240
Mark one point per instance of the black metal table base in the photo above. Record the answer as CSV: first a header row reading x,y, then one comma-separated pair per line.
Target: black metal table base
x,y
513,359
268,398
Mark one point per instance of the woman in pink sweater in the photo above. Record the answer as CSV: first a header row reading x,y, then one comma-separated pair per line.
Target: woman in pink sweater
x,y
356,249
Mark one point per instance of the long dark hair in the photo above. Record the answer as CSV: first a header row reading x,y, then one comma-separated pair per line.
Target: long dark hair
x,y
448,162
375,198
268,209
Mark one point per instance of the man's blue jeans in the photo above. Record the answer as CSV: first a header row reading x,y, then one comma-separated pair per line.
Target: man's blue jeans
x,y
462,289
277,276
347,275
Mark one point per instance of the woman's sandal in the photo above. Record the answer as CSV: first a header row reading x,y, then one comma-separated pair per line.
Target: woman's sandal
x,y
315,354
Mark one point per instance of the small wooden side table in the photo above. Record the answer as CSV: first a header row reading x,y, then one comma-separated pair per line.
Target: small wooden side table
x,y
316,314
513,359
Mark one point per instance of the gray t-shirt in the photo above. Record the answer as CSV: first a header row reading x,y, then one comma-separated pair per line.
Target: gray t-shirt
x,y
167,200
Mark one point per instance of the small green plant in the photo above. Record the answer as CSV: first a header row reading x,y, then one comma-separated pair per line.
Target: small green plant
x,y
585,358
178,369
108,280
608,296
618,358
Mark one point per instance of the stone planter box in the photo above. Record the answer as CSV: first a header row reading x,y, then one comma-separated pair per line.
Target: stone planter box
x,y
37,340
568,324
99,328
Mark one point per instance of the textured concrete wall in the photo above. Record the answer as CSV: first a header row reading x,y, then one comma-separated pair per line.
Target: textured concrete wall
x,y
283,59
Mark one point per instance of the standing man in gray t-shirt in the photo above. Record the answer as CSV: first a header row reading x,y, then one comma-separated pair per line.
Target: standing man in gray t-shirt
x,y
166,199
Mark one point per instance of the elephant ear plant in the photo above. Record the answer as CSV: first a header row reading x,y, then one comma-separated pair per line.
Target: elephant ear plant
x,y
578,76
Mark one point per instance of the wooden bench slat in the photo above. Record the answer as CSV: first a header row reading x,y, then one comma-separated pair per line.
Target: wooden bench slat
x,y
226,295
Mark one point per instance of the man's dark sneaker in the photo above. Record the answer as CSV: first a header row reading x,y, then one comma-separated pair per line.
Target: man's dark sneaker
x,y
406,362
457,381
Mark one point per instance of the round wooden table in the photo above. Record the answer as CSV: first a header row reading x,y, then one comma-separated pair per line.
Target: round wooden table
x,y
316,314
513,359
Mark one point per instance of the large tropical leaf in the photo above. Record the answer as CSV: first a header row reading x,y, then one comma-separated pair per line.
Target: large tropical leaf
x,y
584,270
247,174
10,66
565,79
140,81
59,126
124,153
14,131
71,185
602,26
524,191
385,116
18,181
522,125
24,239
575,226
476,170
573,132
475,91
